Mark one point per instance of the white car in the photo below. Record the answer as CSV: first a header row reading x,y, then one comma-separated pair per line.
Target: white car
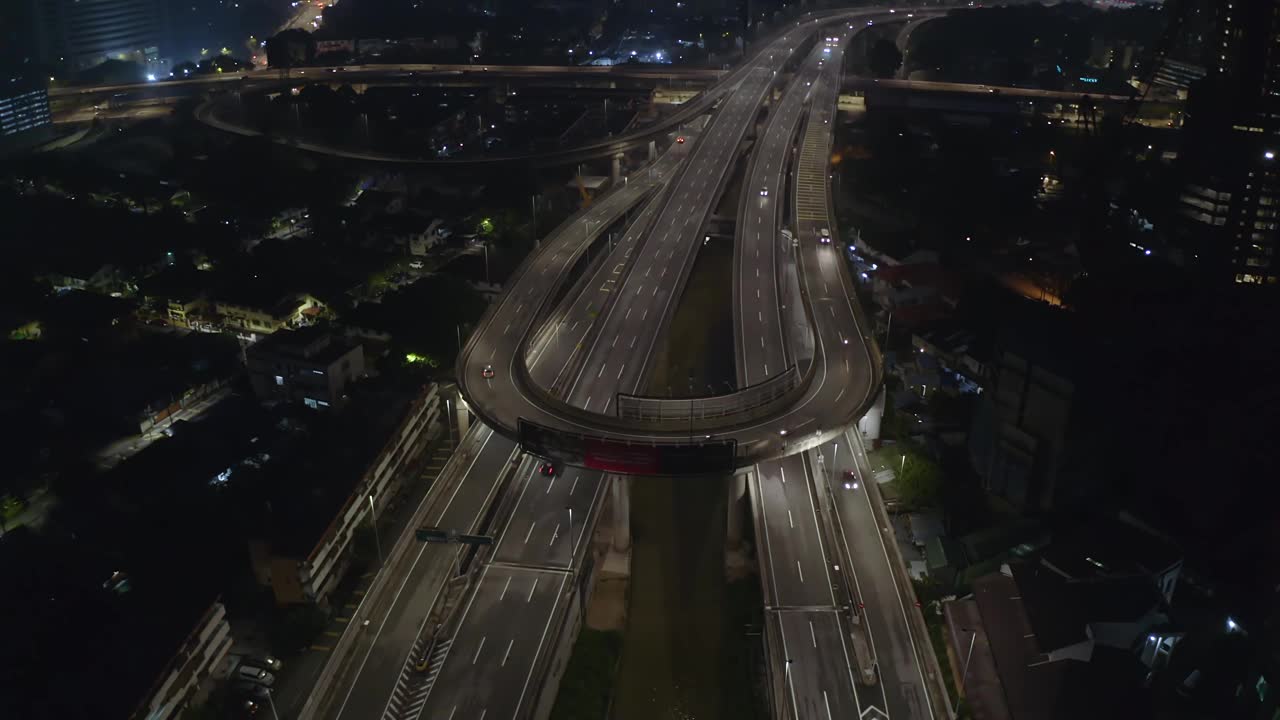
x,y
255,675
764,192
824,236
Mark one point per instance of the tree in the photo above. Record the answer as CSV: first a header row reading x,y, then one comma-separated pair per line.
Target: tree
x,y
920,481
884,58
291,48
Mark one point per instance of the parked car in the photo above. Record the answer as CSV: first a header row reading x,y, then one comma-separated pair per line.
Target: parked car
x,y
255,674
267,662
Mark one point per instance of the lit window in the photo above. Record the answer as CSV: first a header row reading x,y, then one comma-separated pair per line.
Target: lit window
x,y
279,379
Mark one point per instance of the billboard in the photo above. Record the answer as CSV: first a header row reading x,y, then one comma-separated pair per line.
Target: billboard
x,y
630,458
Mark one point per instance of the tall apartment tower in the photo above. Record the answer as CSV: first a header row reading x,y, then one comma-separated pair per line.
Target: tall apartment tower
x,y
1232,196
78,34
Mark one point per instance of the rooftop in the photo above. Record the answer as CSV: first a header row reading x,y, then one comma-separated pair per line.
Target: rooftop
x,y
310,479
110,640
312,345
1110,548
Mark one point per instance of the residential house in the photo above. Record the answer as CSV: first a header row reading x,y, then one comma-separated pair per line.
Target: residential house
x,y
138,638
255,317
1038,646
311,365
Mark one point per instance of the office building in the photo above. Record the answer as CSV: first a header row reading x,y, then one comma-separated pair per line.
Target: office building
x,y
78,34
1231,195
24,113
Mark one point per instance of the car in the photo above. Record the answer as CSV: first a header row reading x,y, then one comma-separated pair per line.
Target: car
x,y
268,662
247,689
250,673
680,140
487,372
824,236
547,469
850,480
764,192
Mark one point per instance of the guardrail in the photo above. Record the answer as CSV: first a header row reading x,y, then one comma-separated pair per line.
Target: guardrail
x,y
339,658
642,408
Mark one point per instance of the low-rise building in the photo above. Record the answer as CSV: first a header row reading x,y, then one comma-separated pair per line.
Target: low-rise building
x,y
1038,646
365,455
90,635
311,365
256,318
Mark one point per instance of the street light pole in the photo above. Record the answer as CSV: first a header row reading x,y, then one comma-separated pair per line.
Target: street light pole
x,y
486,262
271,701
964,675
373,520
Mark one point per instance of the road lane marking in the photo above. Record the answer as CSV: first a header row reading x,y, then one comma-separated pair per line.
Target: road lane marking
x,y
602,367
477,656
530,533
615,341
504,589
813,636
513,642
783,471
791,520
554,534
824,692
624,367
628,317
549,484
575,484
800,571
532,589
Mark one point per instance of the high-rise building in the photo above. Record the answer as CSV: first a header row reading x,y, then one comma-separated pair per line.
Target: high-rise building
x,y
1232,196
24,113
79,34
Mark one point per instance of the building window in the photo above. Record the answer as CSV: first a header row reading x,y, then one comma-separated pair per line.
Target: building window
x,y
279,379
311,403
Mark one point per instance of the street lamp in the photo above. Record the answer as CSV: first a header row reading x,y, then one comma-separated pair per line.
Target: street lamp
x,y
373,520
271,701
968,655
570,509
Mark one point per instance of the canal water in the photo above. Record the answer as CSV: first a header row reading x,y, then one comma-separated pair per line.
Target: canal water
x,y
685,648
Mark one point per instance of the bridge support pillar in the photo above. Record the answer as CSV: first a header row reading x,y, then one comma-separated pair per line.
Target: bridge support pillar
x,y
615,172
733,524
463,419
621,514
653,150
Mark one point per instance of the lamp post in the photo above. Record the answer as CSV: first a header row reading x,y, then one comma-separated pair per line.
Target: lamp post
x,y
373,521
965,673
271,701
570,563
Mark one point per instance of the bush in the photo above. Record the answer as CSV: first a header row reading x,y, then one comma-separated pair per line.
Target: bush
x,y
587,684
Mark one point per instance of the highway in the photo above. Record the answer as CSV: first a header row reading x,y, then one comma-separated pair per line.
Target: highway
x,y
804,599
379,678
424,573
490,657
886,610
